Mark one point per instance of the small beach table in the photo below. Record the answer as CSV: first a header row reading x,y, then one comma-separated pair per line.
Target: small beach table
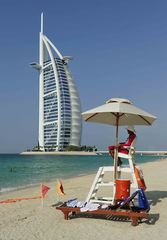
x,y
135,217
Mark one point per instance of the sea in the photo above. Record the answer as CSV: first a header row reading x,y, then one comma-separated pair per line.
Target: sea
x,y
19,171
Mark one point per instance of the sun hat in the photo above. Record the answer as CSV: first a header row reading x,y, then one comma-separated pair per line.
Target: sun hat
x,y
130,128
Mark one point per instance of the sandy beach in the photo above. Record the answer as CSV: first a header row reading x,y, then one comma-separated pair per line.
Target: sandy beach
x,y
28,220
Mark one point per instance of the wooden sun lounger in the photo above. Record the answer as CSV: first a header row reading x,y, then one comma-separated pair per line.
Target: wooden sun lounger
x,y
134,216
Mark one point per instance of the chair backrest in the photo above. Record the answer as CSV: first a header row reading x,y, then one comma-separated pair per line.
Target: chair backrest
x,y
128,200
132,146
131,150
133,142
125,202
142,200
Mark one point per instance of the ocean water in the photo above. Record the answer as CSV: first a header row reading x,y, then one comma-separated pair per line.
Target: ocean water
x,y
18,171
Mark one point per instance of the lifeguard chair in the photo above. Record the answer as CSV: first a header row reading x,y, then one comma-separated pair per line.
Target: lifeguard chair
x,y
99,180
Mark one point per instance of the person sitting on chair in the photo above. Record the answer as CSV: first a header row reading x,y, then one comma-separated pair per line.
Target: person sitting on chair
x,y
121,146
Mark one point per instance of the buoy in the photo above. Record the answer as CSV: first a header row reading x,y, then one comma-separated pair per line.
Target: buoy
x,y
140,178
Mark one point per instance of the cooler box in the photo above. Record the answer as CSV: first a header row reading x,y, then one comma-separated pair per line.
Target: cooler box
x,y
122,188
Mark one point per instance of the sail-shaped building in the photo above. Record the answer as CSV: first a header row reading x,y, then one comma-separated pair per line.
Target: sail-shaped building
x,y
60,121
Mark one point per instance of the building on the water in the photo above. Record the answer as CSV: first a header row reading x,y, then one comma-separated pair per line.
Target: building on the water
x,y
60,123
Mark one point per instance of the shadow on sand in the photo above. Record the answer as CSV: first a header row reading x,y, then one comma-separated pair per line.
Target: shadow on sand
x,y
154,198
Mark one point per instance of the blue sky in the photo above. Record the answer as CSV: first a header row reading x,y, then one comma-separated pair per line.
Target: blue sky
x,y
119,49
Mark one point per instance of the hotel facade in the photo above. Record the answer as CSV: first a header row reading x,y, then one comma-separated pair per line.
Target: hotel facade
x,y
60,123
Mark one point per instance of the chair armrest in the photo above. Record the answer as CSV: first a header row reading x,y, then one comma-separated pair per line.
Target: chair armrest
x,y
127,147
130,149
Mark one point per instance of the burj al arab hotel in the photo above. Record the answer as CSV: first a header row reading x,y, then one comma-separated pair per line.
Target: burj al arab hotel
x,y
60,122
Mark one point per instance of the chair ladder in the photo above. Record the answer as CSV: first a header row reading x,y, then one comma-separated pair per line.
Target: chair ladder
x,y
98,182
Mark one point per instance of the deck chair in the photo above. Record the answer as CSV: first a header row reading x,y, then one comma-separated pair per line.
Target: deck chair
x,y
122,209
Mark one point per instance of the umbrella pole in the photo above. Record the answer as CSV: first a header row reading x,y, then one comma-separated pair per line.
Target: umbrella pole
x,y
115,158
116,150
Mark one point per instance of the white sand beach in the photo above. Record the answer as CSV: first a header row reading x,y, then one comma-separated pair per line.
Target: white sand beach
x,y
28,220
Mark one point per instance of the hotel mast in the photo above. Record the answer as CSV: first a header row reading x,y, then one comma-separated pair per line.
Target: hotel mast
x,y
60,122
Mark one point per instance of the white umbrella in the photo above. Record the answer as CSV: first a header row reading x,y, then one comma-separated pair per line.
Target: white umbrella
x,y
118,109
118,112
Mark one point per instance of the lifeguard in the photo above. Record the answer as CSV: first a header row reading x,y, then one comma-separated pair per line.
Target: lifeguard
x,y
122,146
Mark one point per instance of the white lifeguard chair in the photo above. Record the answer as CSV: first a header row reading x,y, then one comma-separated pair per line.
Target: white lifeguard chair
x,y
99,180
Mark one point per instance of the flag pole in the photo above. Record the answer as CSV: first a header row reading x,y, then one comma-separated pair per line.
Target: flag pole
x,y
42,201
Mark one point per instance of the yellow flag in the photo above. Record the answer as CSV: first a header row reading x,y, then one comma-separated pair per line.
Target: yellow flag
x,y
60,189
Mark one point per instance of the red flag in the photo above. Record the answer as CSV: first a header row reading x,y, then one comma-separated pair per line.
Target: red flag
x,y
60,189
44,190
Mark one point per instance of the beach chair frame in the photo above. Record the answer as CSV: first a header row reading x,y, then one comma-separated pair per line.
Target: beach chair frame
x,y
135,217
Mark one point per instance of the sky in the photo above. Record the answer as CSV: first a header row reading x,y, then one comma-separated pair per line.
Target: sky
x,y
119,49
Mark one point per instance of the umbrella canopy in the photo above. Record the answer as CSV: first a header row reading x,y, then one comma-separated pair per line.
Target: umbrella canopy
x,y
118,111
